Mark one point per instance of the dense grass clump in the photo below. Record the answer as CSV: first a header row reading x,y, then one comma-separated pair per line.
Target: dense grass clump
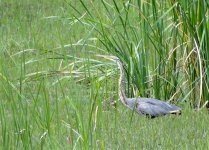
x,y
164,45
55,94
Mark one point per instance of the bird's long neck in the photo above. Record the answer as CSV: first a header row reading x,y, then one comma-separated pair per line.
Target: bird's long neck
x,y
122,96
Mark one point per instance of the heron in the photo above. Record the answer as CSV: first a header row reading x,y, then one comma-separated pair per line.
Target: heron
x,y
149,107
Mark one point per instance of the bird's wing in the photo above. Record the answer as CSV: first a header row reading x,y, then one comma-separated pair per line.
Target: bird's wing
x,y
151,109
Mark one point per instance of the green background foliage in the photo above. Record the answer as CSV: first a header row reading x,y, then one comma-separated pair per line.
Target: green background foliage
x,y
56,94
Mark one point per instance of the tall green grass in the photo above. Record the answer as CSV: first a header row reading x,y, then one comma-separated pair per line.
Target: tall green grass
x,y
164,45
55,94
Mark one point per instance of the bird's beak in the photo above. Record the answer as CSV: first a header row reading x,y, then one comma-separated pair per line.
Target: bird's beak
x,y
106,57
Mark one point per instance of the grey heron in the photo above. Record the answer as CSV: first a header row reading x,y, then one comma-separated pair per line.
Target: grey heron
x,y
144,106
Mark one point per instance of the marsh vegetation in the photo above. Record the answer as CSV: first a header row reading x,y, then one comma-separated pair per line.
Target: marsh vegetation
x,y
55,94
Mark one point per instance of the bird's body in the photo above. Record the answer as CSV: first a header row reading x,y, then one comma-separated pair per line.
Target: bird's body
x,y
152,107
144,106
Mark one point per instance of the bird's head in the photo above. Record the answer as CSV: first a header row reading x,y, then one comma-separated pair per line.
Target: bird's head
x,y
112,58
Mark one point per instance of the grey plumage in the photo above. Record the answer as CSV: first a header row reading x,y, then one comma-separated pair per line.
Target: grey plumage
x,y
143,106
152,107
